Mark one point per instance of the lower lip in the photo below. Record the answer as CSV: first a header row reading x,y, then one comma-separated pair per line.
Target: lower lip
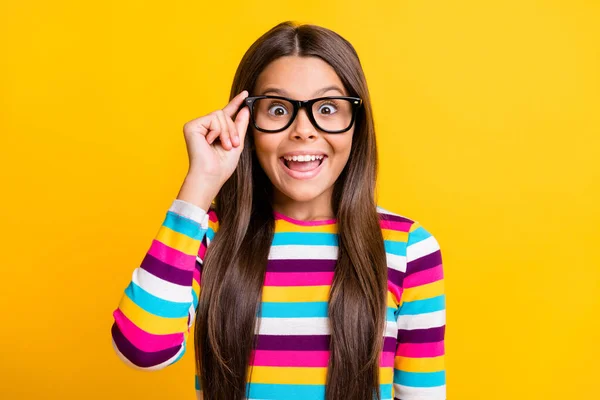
x,y
305,174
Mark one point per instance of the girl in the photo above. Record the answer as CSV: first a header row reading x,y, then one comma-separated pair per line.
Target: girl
x,y
299,285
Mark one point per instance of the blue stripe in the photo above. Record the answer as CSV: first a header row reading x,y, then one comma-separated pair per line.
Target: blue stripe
x,y
183,225
305,238
210,234
194,299
298,392
420,379
396,248
288,392
154,305
316,309
197,382
417,235
423,306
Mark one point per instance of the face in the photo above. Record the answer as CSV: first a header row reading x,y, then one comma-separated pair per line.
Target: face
x,y
301,78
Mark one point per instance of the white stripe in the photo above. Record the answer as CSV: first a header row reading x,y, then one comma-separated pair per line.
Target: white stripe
x,y
161,288
293,326
303,252
422,321
152,368
422,248
190,211
396,262
419,393
307,326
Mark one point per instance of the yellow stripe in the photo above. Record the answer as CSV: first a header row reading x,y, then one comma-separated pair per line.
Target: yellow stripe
x,y
150,322
304,375
282,225
416,225
196,288
396,236
295,294
422,292
213,225
427,364
178,241
289,375
391,300
283,294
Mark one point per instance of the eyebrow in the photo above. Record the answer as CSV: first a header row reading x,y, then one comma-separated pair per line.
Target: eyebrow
x,y
282,92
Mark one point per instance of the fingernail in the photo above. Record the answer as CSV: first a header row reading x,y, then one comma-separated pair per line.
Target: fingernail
x,y
229,143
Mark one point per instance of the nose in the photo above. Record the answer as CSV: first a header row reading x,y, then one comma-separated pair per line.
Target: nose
x,y
303,128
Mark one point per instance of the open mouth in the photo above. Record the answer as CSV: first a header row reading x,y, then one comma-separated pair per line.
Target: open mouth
x,y
303,166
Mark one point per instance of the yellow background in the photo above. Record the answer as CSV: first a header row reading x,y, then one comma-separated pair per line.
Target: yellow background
x,y
487,117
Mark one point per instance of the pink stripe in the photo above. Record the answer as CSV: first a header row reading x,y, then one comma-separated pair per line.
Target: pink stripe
x,y
298,278
212,216
423,277
305,223
143,340
421,350
395,290
387,359
395,225
290,358
202,251
171,256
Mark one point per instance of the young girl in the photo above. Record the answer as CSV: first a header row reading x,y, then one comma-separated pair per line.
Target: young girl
x,y
299,285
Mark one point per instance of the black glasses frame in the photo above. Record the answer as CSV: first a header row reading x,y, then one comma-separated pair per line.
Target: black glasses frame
x,y
355,102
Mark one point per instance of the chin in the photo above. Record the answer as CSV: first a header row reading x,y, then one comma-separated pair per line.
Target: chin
x,y
302,194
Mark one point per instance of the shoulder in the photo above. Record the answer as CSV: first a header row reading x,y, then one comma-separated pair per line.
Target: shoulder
x,y
397,227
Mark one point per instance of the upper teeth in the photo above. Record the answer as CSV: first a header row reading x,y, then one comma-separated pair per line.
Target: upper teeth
x,y
303,158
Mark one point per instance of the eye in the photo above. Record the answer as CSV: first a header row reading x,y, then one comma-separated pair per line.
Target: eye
x,y
277,109
328,108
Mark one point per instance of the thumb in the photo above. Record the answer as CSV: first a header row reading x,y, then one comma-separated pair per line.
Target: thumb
x,y
241,122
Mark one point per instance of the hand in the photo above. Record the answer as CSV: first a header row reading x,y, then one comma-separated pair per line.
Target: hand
x,y
215,159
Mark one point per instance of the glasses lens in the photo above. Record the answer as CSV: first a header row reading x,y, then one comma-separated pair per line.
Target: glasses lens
x,y
333,114
272,114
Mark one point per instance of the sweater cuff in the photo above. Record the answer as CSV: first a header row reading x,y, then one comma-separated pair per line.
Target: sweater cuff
x,y
190,211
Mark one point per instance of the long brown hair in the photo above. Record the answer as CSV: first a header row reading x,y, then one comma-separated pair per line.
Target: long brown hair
x,y
235,262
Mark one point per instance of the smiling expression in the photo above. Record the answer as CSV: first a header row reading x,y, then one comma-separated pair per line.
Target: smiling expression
x,y
320,157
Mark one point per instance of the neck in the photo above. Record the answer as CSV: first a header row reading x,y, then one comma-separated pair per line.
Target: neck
x,y
318,208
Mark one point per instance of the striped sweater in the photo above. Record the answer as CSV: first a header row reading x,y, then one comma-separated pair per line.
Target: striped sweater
x,y
157,310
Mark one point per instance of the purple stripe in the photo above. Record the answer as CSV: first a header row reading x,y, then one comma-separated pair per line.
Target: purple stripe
x,y
138,357
292,342
420,264
166,272
307,342
395,218
301,265
395,276
389,344
421,335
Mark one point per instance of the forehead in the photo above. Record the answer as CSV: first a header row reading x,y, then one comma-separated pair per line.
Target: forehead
x,y
299,77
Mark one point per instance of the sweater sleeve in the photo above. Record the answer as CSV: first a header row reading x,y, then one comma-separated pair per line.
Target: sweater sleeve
x,y
157,310
419,364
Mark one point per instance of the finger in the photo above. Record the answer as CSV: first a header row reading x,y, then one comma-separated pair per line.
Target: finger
x,y
241,123
233,134
200,125
215,129
234,105
224,137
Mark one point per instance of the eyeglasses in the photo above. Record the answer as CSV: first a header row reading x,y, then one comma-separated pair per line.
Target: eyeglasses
x,y
272,114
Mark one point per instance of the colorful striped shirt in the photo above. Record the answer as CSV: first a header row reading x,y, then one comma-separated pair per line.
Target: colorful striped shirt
x,y
157,310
